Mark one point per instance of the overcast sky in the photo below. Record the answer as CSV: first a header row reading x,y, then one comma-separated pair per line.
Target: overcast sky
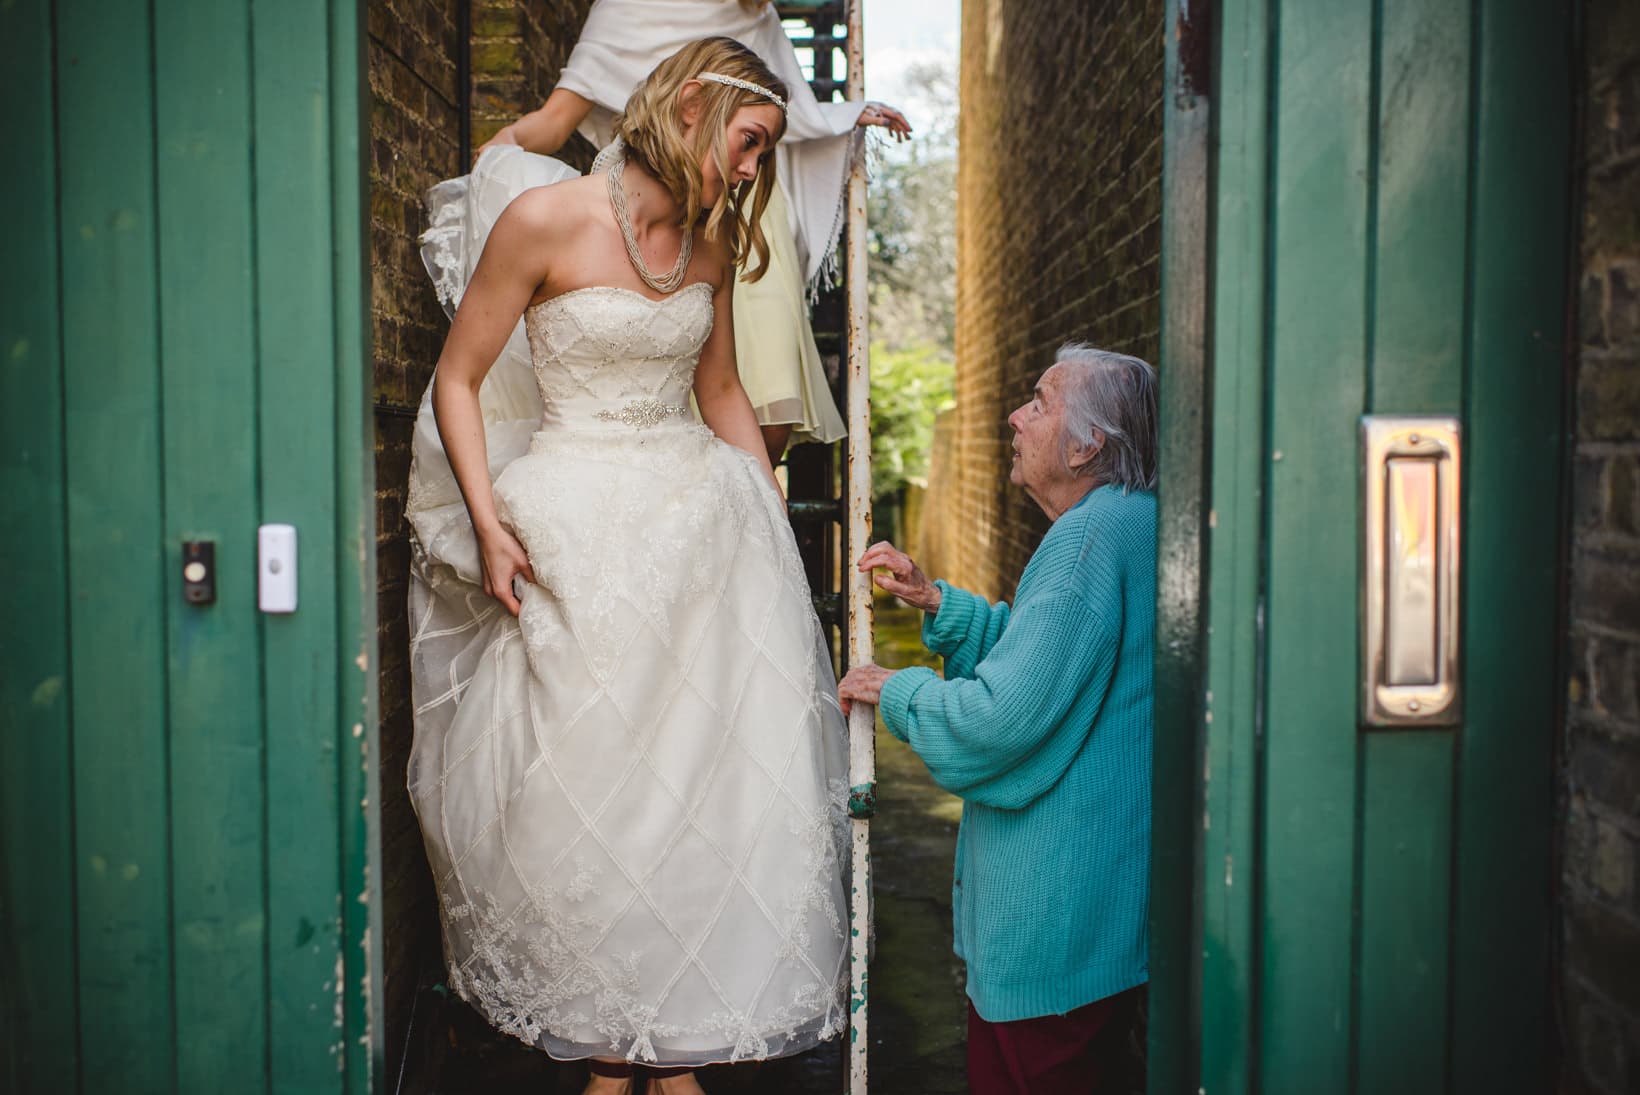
x,y
900,33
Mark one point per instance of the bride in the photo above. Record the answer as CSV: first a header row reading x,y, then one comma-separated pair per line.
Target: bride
x,y
629,760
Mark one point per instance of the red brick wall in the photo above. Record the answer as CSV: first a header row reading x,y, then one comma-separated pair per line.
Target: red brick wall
x,y
414,126
518,50
1600,896
1058,238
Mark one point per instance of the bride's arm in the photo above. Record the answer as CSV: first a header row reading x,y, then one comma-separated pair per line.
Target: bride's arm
x,y
508,274
723,404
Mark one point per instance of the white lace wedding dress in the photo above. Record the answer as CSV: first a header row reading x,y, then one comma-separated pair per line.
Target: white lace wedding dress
x,y
632,794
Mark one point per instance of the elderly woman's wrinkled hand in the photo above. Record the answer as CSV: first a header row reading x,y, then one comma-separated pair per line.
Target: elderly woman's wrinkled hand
x,y
904,578
863,683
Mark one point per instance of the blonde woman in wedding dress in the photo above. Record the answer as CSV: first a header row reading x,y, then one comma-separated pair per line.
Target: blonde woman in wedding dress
x,y
629,761
779,362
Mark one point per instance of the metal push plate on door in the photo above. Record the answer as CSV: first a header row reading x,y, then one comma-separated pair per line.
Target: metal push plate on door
x,y
1411,581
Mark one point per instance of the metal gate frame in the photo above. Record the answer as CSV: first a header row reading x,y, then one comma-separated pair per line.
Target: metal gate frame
x,y
862,725
850,609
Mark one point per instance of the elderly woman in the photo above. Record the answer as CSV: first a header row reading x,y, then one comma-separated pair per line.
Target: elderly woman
x,y
1042,726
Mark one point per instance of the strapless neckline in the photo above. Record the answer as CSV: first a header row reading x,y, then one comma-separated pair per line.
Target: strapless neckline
x,y
670,298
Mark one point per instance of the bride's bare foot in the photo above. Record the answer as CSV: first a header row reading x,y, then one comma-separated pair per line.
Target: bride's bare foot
x,y
685,1084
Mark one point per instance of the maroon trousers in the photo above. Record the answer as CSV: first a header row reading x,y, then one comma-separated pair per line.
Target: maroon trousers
x,y
1053,1055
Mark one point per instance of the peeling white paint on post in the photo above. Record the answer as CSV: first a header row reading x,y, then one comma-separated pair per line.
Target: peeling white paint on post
x,y
862,720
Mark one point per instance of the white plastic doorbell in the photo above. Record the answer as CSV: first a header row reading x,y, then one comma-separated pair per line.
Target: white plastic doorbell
x,y
276,568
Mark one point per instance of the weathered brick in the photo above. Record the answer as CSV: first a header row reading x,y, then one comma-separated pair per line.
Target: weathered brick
x,y
1625,114
1623,494
1613,663
1595,1033
1608,398
1622,303
1591,316
410,71
496,55
1612,27
1606,589
1611,217
1603,945
1600,917
1066,255
1577,837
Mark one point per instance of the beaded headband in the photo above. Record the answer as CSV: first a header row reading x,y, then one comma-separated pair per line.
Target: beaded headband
x,y
745,85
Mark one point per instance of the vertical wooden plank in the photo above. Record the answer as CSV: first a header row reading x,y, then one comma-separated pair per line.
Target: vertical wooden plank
x,y
117,604
1174,1058
857,591
1420,184
1421,176
298,446
364,1034
1317,338
297,408
37,987
207,336
1406,884
1229,883
1519,251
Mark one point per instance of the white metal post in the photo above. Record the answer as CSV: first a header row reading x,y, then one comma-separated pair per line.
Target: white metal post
x,y
862,720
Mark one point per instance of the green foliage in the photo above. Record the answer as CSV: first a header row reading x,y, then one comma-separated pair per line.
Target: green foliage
x,y
913,271
909,387
912,210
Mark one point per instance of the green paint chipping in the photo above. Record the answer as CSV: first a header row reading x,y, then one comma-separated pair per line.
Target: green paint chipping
x,y
46,692
862,801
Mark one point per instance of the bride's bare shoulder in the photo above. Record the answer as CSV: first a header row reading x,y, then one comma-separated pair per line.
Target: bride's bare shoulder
x,y
553,212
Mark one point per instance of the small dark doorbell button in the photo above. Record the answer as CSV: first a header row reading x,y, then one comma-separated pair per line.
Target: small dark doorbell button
x,y
199,571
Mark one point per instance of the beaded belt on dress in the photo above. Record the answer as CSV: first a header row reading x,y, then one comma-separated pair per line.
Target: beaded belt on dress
x,y
642,414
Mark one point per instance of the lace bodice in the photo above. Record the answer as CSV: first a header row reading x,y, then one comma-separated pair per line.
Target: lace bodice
x,y
607,357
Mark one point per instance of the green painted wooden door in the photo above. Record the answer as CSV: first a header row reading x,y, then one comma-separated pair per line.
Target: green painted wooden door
x,y
184,896
1389,236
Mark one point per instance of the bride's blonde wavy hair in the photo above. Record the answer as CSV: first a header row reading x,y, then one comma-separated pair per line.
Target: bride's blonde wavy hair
x,y
652,127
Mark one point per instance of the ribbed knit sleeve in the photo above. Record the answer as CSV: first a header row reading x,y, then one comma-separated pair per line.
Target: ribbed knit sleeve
x,y
964,629
894,704
1005,736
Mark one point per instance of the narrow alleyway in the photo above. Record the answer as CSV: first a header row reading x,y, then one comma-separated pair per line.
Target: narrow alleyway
x,y
918,1017
917,1011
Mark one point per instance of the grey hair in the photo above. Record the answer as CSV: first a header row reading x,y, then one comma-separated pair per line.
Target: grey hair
x,y
1115,395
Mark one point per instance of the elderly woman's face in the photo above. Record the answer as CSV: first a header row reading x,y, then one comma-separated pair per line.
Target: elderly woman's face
x,y
1039,443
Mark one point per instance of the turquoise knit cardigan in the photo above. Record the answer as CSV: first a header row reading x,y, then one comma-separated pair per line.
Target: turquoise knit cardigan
x,y
1042,726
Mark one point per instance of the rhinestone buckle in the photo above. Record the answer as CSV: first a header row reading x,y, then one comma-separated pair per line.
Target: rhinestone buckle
x,y
642,414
